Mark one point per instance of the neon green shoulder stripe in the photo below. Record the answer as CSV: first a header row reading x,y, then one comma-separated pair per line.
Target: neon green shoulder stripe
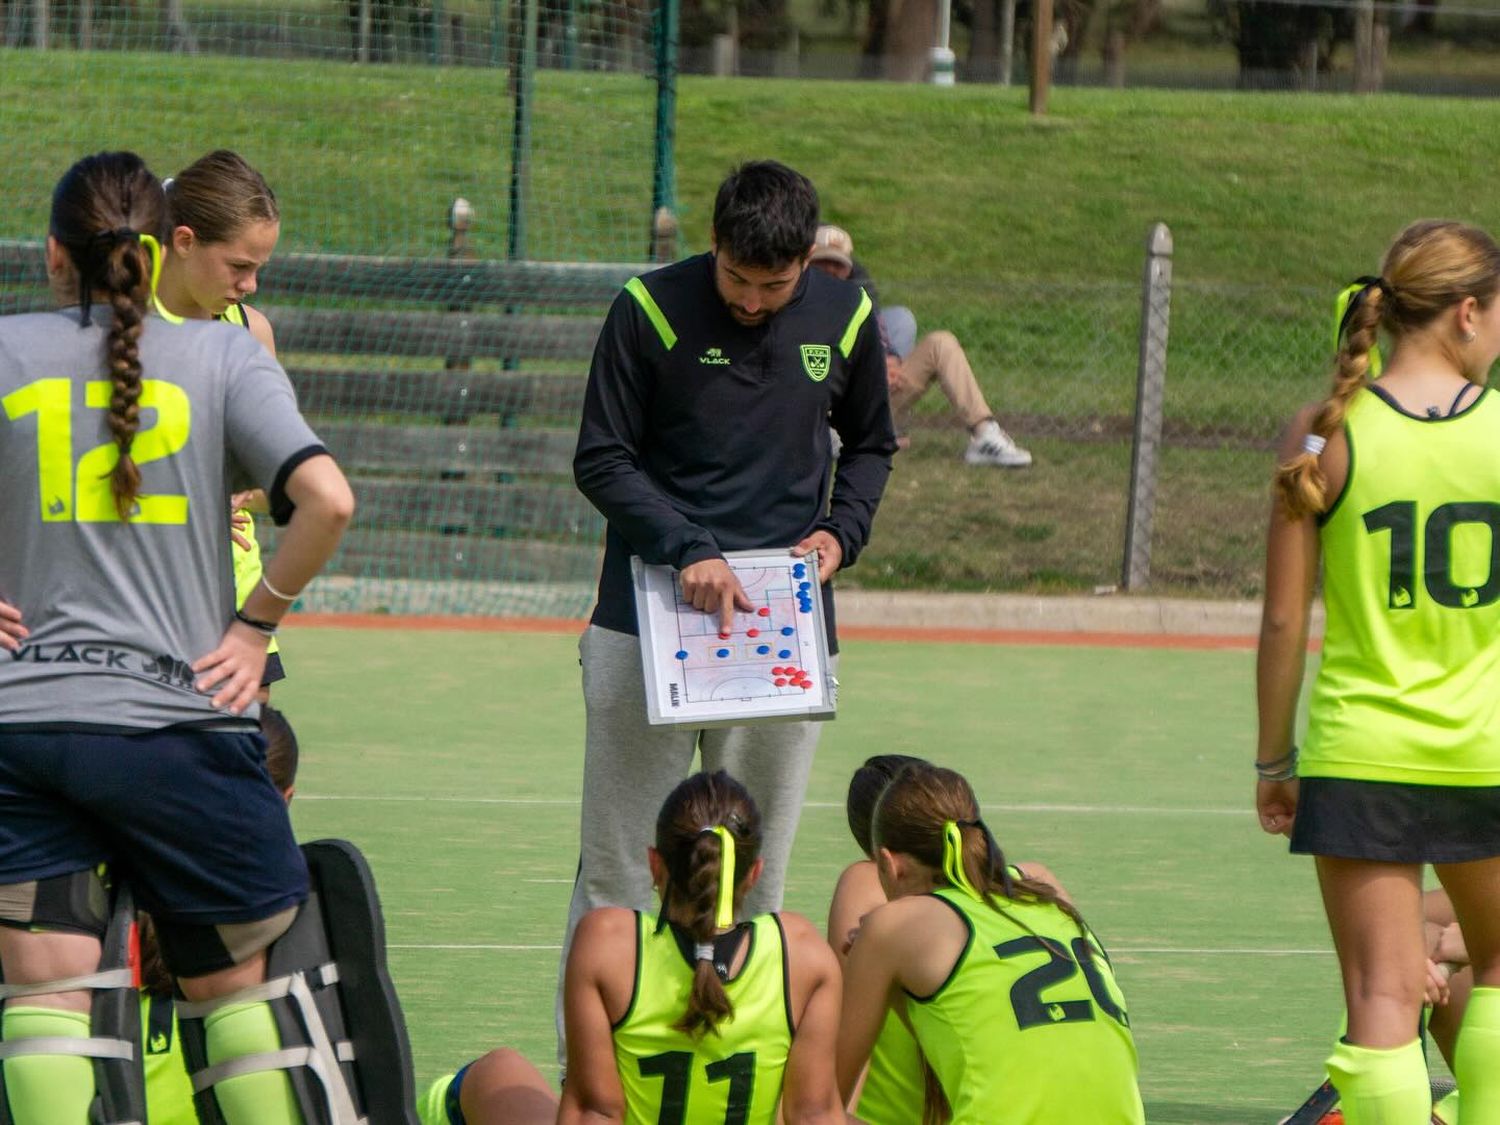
x,y
846,345
653,312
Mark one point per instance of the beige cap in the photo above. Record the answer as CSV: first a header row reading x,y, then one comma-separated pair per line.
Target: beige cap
x,y
833,244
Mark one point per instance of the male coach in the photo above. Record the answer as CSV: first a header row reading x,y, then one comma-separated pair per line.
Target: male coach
x,y
705,430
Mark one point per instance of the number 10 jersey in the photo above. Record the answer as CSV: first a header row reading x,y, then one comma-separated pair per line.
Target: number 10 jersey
x,y
1411,579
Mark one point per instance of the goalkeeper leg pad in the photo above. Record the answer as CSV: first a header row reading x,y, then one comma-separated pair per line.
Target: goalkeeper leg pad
x,y
343,1038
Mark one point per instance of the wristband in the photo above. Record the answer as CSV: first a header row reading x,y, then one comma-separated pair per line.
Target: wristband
x,y
274,592
264,628
1283,768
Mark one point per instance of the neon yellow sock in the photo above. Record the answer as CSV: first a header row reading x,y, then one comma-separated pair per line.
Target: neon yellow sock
x,y
1476,1059
1381,1087
47,1089
1446,1110
264,1098
433,1108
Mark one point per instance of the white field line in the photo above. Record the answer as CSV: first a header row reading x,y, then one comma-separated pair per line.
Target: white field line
x,y
571,802
1143,951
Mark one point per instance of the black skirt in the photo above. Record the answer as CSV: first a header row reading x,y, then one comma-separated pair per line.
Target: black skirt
x,y
1394,822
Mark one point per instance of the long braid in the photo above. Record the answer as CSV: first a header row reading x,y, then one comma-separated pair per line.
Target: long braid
x,y
126,280
1299,481
1431,267
709,1003
101,209
688,839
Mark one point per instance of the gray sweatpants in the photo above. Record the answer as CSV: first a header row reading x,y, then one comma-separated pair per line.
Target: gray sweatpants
x,y
629,768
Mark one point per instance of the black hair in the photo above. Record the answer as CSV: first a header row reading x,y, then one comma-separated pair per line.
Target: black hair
x,y
101,208
865,787
282,753
765,215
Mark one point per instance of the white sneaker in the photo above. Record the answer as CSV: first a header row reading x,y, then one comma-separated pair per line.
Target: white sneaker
x,y
991,445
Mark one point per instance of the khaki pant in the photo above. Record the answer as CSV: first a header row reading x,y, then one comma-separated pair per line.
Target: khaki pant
x,y
939,357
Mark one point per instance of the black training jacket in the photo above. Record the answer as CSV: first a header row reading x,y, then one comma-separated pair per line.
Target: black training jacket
x,y
701,435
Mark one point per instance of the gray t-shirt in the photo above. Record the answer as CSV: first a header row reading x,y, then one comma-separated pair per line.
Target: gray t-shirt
x,y
119,611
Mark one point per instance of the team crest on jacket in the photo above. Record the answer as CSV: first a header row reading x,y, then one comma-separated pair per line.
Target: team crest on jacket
x,y
816,360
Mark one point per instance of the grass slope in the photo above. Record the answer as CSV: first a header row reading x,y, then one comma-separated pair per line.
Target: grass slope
x,y
1023,236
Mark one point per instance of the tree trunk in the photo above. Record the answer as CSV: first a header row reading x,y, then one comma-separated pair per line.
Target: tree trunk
x,y
984,42
910,38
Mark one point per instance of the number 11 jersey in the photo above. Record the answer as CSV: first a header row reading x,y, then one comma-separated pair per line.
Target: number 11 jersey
x,y
729,1077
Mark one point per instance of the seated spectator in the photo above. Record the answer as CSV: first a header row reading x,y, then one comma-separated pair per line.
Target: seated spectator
x,y
913,365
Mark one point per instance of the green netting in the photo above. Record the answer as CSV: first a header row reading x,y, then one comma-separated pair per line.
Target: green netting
x,y
442,366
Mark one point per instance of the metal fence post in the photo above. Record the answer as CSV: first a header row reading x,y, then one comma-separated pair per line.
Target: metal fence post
x,y
664,161
523,79
362,33
1150,389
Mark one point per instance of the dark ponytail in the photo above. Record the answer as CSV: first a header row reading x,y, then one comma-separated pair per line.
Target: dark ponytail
x,y
101,209
865,788
690,836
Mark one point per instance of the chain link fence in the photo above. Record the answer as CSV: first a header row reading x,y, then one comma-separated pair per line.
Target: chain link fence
x,y
443,352
1059,365
464,186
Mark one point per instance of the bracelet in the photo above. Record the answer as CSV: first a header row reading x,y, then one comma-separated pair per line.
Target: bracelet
x,y
264,628
274,592
1283,768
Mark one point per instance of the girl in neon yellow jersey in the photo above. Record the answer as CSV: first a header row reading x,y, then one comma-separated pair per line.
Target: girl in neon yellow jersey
x,y
224,226
1393,485
1009,994
695,1016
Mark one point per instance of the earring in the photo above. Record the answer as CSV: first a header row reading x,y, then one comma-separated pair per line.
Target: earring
x,y
1470,336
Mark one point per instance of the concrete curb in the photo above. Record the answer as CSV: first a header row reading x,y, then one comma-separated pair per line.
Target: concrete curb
x,y
1112,613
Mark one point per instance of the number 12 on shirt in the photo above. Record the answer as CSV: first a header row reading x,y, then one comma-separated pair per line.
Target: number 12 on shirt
x,y
81,493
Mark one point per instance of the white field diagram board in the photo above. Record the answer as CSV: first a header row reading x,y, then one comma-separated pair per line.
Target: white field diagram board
x,y
773,663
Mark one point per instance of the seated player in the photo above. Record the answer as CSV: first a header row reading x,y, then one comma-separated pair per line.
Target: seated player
x,y
692,1007
1450,980
1008,993
913,365
499,1088
893,1088
169,1091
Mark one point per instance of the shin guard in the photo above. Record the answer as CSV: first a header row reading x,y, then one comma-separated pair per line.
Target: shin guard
x,y
343,1040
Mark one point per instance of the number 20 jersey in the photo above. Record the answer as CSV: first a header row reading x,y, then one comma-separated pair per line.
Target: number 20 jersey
x,y
730,1078
1411,579
118,611
1030,1026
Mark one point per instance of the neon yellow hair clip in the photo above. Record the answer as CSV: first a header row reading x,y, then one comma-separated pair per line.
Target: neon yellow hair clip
x,y
153,248
724,913
953,860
